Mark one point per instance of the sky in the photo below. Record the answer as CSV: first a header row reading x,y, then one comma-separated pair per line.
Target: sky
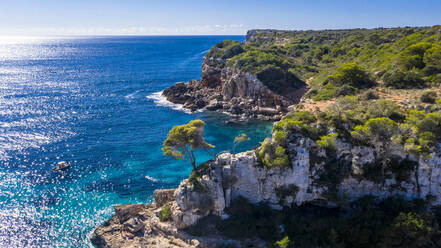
x,y
197,17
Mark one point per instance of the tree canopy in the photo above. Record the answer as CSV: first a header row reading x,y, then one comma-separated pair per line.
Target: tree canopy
x,y
239,139
184,140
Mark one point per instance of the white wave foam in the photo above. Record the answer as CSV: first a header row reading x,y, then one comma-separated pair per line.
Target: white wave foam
x,y
161,100
132,95
152,179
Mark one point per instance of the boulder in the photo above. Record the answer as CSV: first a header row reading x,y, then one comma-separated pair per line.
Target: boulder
x,y
127,211
163,196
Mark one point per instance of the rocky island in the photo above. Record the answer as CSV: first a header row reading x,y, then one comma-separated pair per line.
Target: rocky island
x,y
355,160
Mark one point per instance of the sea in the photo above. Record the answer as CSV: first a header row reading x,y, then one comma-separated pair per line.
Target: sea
x,y
94,102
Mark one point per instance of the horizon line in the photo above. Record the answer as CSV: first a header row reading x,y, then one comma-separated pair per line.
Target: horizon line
x,y
208,34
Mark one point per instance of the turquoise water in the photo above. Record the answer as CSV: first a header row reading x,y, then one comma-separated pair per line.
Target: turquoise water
x,y
91,101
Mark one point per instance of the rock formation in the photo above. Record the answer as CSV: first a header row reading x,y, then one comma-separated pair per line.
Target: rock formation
x,y
138,225
230,90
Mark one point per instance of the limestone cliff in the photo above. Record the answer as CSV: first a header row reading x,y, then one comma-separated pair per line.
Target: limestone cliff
x,y
306,180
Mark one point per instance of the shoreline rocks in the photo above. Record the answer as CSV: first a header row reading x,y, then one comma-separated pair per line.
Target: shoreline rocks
x,y
138,225
232,91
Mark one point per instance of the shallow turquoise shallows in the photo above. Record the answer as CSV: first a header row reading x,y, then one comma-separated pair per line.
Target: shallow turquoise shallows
x,y
93,102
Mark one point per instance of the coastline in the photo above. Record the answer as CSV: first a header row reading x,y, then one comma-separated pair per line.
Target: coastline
x,y
160,100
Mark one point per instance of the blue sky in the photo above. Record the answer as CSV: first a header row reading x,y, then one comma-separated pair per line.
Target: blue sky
x,y
138,17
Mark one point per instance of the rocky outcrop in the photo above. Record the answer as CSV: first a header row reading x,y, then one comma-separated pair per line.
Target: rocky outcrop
x,y
162,196
138,225
230,90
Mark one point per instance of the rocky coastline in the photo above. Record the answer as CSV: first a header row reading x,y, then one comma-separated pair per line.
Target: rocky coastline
x,y
230,90
329,176
139,225
231,176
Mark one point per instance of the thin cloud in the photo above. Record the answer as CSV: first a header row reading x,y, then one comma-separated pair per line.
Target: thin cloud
x,y
134,30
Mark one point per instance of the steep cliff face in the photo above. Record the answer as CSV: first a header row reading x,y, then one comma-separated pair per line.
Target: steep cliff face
x,y
231,90
310,178
313,176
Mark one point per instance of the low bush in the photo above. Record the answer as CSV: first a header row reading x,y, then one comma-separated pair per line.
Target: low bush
x,y
165,213
370,95
399,79
413,56
350,74
284,243
428,96
225,50
432,60
270,154
327,92
328,142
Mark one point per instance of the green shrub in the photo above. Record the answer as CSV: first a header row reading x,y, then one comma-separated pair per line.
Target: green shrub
x,y
399,79
299,122
412,230
425,122
225,50
271,154
195,179
280,137
384,108
350,74
428,96
328,142
345,90
370,95
412,56
421,132
432,60
270,67
376,131
284,243
165,213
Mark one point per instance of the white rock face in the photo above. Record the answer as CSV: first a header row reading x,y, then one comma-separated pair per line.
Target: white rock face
x,y
232,176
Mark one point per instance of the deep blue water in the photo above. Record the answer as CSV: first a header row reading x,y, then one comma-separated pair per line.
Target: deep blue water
x,y
90,101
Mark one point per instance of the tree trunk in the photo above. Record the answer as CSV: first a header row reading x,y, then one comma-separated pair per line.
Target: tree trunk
x,y
192,160
417,179
211,153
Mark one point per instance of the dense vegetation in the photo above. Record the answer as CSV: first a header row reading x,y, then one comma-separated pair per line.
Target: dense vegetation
x,y
367,222
361,121
337,62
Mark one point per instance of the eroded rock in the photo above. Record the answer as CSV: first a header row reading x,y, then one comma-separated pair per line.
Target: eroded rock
x,y
231,90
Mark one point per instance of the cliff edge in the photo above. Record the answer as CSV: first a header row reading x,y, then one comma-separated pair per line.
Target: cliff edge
x,y
309,179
